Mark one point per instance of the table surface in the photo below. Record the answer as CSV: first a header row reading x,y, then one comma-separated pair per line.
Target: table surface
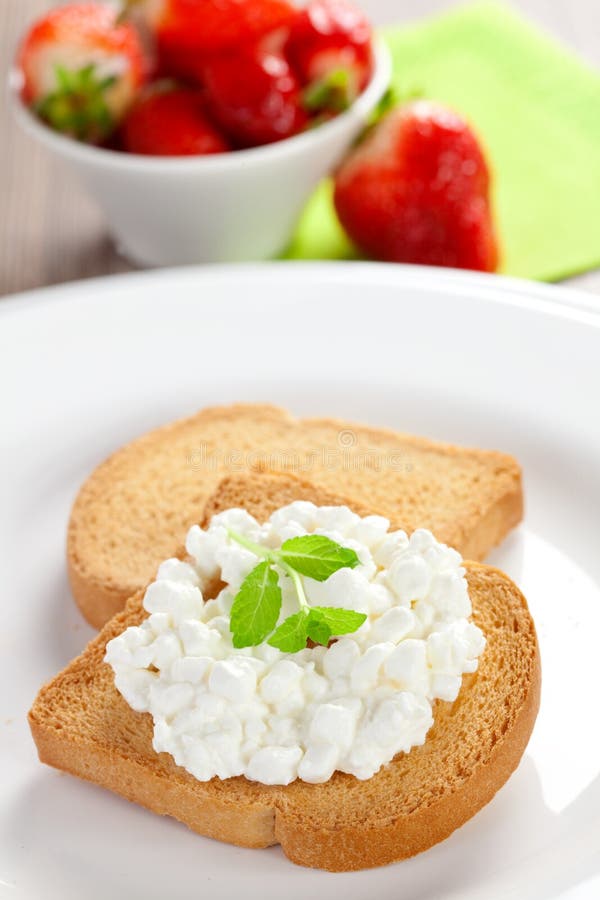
x,y
50,232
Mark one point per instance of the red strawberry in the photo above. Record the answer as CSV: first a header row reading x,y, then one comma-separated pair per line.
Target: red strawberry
x,y
186,28
81,69
254,96
417,190
329,46
168,120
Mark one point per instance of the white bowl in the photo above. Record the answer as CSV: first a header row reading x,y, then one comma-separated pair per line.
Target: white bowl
x,y
223,208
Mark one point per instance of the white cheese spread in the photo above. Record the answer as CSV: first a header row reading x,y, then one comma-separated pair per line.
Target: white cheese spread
x,y
273,716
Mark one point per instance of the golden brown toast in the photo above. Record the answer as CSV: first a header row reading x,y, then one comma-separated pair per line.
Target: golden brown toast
x,y
133,510
82,725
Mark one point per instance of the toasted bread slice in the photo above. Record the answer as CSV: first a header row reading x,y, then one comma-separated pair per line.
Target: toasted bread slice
x,y
132,511
81,724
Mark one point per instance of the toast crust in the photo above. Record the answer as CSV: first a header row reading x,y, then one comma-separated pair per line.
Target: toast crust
x,y
252,815
133,509
81,724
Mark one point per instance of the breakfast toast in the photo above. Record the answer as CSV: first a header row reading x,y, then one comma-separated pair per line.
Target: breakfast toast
x,y
82,725
135,507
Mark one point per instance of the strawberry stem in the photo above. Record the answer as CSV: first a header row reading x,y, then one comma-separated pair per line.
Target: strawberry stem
x,y
78,105
333,93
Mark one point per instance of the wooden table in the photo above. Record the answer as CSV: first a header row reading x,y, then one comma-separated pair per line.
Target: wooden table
x,y
50,232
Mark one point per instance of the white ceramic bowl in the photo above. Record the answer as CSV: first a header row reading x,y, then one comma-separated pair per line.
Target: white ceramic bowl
x,y
223,208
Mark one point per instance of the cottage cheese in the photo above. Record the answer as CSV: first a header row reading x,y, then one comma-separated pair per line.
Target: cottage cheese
x,y
274,716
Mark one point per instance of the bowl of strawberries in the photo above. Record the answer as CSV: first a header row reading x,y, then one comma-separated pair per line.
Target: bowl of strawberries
x,y
200,127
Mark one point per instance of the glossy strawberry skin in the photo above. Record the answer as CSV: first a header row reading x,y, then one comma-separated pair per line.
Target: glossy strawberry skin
x,y
254,96
82,39
329,35
171,121
417,191
185,29
79,28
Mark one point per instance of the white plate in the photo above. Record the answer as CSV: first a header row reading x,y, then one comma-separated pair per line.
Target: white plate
x,y
471,359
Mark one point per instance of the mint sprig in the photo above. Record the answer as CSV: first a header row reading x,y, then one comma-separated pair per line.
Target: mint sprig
x,y
319,623
317,556
292,634
257,605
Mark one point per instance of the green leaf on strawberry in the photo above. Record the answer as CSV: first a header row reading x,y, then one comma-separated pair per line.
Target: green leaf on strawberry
x,y
78,106
333,93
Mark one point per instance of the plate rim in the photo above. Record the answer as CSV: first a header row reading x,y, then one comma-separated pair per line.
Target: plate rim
x,y
565,301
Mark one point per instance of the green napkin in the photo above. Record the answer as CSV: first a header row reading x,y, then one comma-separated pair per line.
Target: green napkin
x,y
537,109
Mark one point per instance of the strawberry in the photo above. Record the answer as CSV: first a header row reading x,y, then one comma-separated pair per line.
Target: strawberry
x,y
254,95
329,46
168,120
81,69
185,29
417,190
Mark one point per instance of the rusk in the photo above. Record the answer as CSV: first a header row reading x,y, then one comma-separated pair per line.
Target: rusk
x,y
134,509
82,725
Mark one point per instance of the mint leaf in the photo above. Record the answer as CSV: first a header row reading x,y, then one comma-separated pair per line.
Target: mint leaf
x,y
339,621
256,606
292,634
316,556
318,631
